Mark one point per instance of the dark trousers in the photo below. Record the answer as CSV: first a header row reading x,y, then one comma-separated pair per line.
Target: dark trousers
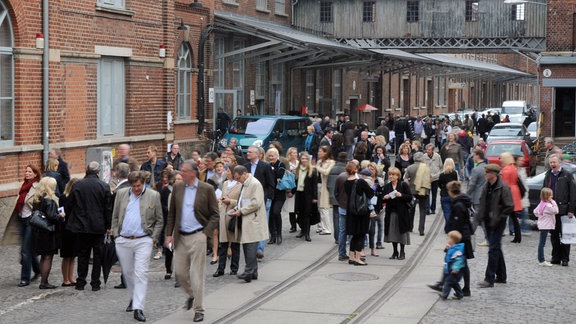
x,y
517,232
223,254
336,222
168,257
496,267
452,281
250,250
422,202
560,252
357,242
275,222
86,244
28,259
292,218
431,206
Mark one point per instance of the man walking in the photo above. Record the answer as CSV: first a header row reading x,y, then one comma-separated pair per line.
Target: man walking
x,y
434,162
254,227
136,223
90,211
564,193
496,204
192,217
475,185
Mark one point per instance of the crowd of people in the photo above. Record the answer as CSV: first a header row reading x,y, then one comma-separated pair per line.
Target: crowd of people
x,y
344,183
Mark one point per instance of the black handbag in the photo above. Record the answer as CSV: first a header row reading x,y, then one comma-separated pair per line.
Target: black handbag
x,y
357,202
521,187
412,203
235,220
38,220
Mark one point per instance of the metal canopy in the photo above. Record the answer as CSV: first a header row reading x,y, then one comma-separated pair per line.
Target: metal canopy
x,y
281,43
289,44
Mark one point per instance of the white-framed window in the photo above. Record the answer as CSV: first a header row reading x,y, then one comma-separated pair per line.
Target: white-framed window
x,y
261,73
116,4
280,7
6,79
412,11
184,96
262,5
310,89
368,11
471,10
276,86
238,70
326,11
337,89
518,11
111,97
219,63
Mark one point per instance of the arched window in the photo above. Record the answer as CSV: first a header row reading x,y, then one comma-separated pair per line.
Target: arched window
x,y
6,78
184,82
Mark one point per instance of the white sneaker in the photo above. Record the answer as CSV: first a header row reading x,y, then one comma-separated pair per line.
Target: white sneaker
x,y
545,264
158,256
483,243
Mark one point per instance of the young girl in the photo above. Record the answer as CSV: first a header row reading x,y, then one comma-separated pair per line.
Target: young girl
x,y
545,211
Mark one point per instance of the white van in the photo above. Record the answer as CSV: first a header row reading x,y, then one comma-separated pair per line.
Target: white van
x,y
514,107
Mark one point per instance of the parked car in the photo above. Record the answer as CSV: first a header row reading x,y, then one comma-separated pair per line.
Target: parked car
x,y
536,183
508,131
261,130
516,148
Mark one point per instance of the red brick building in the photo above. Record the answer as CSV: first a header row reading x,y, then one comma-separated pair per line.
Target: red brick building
x,y
119,71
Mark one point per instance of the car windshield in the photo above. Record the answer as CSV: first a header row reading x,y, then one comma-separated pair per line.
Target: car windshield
x,y
253,126
497,149
512,110
505,131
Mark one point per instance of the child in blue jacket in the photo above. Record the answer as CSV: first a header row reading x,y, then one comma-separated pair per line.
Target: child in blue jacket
x,y
454,261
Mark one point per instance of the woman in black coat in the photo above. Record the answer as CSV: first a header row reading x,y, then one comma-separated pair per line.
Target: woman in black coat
x,y
460,221
45,243
397,222
275,223
306,201
357,224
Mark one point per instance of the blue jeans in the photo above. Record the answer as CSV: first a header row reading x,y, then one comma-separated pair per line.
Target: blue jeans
x,y
446,210
525,227
452,281
28,259
496,266
262,244
342,236
380,230
541,244
336,221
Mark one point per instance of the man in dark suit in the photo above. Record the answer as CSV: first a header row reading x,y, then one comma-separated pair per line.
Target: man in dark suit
x,y
90,211
262,171
192,217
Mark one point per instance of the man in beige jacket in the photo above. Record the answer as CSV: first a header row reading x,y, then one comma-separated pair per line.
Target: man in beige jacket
x,y
251,209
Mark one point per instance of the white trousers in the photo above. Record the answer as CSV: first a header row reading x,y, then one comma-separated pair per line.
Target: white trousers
x,y
326,224
134,256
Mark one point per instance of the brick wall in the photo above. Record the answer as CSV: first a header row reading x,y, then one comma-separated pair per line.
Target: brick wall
x,y
560,25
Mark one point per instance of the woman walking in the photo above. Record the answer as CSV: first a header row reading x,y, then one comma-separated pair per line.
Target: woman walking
x,y
357,222
324,165
397,220
275,223
306,201
509,175
46,243
292,157
449,174
68,238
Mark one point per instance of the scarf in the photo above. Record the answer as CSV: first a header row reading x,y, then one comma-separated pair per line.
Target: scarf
x,y
302,173
22,194
422,181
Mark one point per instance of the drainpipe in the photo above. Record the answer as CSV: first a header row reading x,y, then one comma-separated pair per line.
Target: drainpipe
x,y
294,3
45,81
200,99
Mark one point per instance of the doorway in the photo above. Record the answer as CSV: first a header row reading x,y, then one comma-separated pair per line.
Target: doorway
x,y
564,112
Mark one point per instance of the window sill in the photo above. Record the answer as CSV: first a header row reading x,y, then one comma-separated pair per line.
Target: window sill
x,y
126,12
230,3
185,121
263,10
280,14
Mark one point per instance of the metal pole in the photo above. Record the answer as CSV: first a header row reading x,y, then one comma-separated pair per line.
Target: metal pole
x,y
200,100
45,82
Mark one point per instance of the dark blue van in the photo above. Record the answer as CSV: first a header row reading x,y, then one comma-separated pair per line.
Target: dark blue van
x,y
261,130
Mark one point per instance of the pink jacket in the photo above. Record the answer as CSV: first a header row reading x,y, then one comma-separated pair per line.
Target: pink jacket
x,y
546,212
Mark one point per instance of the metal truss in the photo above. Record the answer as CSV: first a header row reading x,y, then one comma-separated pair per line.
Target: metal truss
x,y
452,45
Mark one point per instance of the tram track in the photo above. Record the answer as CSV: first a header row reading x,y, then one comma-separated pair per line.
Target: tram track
x,y
368,307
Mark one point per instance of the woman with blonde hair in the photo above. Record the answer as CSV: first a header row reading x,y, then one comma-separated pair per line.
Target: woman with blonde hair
x,y
324,165
288,207
306,201
45,243
51,170
397,220
68,239
509,175
404,159
448,175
